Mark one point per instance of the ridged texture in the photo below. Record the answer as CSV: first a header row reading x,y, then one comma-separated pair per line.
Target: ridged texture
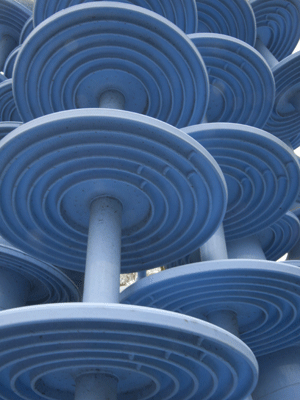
x,y
228,17
278,25
182,13
264,295
154,354
172,191
27,28
13,16
261,172
8,109
280,237
284,121
74,56
7,127
10,62
47,283
242,87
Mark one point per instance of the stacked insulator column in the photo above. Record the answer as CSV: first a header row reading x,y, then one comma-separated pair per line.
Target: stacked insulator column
x,y
140,139
106,189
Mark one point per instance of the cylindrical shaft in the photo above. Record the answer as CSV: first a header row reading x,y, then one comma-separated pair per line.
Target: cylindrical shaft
x,y
141,275
248,247
215,247
265,52
225,319
7,44
14,289
112,99
103,260
96,387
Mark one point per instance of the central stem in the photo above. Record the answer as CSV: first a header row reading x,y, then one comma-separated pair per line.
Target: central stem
x,y
103,260
248,248
102,268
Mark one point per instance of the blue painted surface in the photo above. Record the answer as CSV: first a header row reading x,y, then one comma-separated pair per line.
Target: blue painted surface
x,y
125,48
81,172
160,174
234,18
181,12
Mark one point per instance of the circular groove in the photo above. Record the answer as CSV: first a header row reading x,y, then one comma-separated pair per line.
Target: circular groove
x,y
7,127
264,295
68,61
242,88
8,110
182,13
13,16
27,28
153,353
10,61
278,25
47,283
279,238
285,119
173,192
229,17
261,172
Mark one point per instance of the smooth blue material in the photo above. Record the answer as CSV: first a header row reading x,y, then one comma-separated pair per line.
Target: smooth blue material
x,y
182,13
279,375
8,110
229,17
264,295
103,256
102,46
172,191
242,87
152,353
278,25
262,174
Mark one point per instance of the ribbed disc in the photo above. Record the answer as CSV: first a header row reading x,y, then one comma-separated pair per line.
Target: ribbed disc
x,y
295,141
154,354
284,121
13,16
27,28
7,127
261,172
296,263
172,191
242,88
47,283
278,25
228,17
296,207
2,77
182,13
8,110
10,61
280,237
74,56
264,295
